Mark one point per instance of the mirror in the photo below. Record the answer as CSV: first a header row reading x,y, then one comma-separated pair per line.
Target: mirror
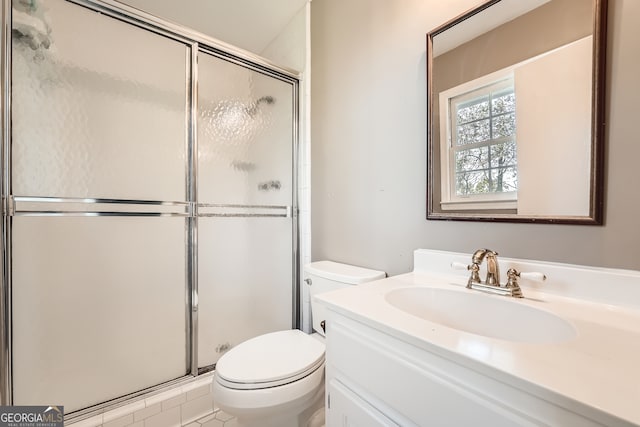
x,y
516,113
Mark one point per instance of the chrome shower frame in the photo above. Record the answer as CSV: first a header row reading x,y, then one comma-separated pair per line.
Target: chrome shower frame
x,y
195,43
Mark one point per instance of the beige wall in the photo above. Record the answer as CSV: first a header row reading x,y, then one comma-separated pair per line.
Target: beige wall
x,y
564,21
369,144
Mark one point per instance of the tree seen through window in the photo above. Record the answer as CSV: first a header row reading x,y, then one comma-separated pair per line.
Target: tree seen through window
x,y
484,142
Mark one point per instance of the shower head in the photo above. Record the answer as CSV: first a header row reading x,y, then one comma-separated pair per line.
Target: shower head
x,y
268,99
30,25
252,109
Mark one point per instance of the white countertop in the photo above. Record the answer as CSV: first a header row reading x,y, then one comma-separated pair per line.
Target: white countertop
x,y
599,368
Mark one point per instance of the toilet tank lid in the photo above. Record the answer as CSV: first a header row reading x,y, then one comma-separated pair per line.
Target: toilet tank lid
x,y
343,273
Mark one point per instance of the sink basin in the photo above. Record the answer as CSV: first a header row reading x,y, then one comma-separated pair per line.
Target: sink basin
x,y
488,315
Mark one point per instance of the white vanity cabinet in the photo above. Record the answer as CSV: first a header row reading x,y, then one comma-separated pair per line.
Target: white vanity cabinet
x,y
349,409
420,349
376,379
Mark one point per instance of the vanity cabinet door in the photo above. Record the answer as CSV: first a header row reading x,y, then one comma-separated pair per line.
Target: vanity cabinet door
x,y
346,409
405,385
404,388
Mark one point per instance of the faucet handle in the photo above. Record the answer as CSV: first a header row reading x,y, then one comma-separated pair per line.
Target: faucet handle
x,y
512,280
535,276
460,266
513,275
474,268
512,283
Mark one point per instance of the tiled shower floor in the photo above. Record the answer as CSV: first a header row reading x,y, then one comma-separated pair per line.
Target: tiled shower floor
x,y
217,419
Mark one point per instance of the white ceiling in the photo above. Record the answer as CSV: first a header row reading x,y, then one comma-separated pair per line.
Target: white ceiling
x,y
248,24
483,22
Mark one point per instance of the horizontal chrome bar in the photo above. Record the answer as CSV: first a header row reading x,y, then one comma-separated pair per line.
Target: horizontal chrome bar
x,y
490,289
95,200
243,215
70,206
214,205
96,213
243,211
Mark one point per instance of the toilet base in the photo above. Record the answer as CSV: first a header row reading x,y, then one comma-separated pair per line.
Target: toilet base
x,y
317,419
290,416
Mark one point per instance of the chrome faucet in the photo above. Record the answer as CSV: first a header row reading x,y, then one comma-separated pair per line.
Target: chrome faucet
x,y
491,283
493,269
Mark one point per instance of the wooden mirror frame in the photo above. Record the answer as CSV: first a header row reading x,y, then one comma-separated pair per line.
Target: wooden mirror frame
x,y
596,202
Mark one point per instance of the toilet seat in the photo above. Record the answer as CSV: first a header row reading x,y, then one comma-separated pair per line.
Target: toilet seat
x,y
270,360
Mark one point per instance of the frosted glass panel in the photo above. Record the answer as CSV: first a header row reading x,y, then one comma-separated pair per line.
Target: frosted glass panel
x,y
244,278
101,111
245,132
98,307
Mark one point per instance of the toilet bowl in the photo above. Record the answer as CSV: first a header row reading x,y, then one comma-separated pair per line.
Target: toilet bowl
x,y
277,379
271,379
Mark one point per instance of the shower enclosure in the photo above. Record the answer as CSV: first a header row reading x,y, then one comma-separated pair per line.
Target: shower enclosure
x,y
149,203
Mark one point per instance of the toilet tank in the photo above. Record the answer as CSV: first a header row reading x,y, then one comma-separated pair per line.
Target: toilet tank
x,y
326,276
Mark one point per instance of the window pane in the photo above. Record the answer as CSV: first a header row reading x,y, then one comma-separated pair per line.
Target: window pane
x,y
503,103
484,141
504,125
470,112
503,154
504,179
473,132
475,182
472,159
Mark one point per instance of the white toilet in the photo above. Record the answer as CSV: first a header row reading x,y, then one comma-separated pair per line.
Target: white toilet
x,y
277,379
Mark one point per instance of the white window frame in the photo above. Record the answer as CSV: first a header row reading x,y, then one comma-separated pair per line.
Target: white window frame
x,y
449,199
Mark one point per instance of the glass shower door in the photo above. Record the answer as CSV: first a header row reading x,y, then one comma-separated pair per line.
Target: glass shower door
x,y
245,198
98,228
137,211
